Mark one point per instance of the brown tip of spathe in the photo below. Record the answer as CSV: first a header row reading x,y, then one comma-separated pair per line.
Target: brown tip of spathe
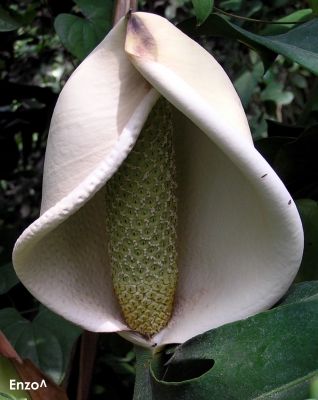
x,y
128,15
139,40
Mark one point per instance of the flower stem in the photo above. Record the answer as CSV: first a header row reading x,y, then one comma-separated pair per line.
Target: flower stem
x,y
122,8
142,389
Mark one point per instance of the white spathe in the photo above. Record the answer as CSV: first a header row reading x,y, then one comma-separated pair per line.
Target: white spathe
x,y
240,239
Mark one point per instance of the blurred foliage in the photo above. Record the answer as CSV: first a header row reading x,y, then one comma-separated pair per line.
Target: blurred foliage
x,y
34,66
281,106
114,373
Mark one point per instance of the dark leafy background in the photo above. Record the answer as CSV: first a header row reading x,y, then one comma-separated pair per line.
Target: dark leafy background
x,y
272,355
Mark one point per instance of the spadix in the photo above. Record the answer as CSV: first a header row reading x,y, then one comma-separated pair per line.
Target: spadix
x,y
141,221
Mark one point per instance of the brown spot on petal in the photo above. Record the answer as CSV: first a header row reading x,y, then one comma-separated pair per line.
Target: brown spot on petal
x,y
139,41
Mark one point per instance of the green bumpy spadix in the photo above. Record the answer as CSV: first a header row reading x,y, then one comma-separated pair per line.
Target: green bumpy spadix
x,y
141,209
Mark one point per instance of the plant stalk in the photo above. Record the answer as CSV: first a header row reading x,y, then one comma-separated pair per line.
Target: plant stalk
x,y
122,8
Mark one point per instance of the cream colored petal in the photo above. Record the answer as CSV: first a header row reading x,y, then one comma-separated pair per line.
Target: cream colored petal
x,y
152,40
90,114
240,238
62,258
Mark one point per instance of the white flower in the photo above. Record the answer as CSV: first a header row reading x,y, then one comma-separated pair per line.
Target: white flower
x,y
239,236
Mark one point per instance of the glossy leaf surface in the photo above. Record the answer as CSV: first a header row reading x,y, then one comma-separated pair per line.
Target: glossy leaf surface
x,y
203,9
80,36
53,338
272,355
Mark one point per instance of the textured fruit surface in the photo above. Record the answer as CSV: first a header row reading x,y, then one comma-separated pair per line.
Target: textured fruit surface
x,y
141,221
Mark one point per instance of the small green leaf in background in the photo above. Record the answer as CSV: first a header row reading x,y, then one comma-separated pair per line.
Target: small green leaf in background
x,y
246,82
8,237
277,29
296,164
5,396
269,147
314,6
309,112
279,129
47,340
7,372
274,92
233,5
7,23
120,365
27,16
308,211
202,8
299,81
8,278
314,389
80,36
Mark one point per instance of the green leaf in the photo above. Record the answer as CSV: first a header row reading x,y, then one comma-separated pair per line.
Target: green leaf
x,y
279,129
8,278
314,389
27,16
47,340
203,9
314,6
7,23
80,36
272,355
274,92
253,7
296,164
293,156
6,396
299,81
234,5
300,292
269,147
258,125
8,237
247,82
299,44
7,372
277,29
308,211
311,107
